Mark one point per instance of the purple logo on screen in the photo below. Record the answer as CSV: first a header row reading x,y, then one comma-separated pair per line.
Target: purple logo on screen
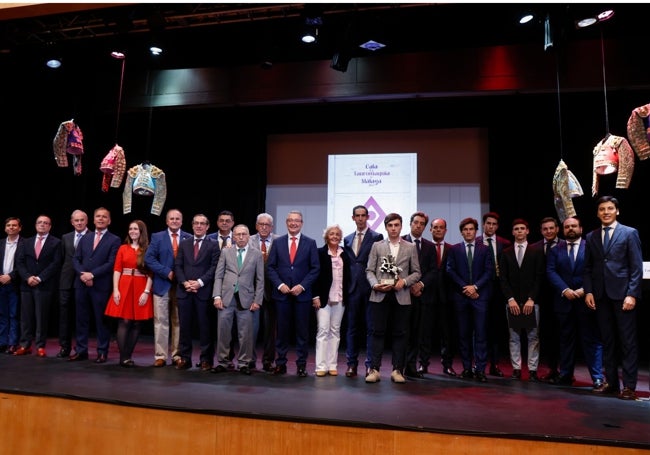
x,y
375,213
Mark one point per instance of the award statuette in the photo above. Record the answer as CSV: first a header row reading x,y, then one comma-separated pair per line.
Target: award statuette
x,y
388,266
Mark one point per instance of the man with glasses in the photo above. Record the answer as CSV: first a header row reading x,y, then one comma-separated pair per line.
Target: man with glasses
x,y
293,266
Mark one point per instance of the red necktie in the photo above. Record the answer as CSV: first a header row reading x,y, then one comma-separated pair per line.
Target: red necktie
x,y
438,254
196,247
175,244
39,246
292,250
98,237
264,250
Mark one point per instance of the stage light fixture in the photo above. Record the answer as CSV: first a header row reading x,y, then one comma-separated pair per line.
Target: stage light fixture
x,y
591,20
526,18
155,50
53,62
119,55
372,45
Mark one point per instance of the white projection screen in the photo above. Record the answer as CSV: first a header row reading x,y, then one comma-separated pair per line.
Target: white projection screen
x,y
449,178
384,183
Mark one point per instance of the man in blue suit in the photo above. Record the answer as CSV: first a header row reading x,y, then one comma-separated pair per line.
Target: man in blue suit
x,y
94,259
160,259
612,283
293,267
470,282
358,245
564,268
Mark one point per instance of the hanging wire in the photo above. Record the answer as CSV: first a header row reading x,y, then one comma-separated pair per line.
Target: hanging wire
x,y
602,56
559,106
119,101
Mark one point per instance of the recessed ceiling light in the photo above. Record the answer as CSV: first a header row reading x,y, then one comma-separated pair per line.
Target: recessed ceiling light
x,y
372,45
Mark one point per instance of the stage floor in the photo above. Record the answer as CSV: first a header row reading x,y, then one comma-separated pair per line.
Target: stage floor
x,y
502,407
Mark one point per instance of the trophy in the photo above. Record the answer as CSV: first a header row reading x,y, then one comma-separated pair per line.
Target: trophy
x,y
388,265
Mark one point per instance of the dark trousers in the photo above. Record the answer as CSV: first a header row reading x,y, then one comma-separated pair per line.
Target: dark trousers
x,y
66,317
288,310
87,302
34,317
357,314
193,309
399,315
472,331
420,331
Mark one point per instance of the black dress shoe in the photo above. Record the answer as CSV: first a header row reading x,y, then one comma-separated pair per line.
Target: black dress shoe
x,y
245,370
467,374
302,372
351,372
551,377
449,371
495,371
411,373
127,363
220,369
267,366
78,356
183,364
63,353
480,376
562,380
252,365
532,376
101,358
280,369
422,369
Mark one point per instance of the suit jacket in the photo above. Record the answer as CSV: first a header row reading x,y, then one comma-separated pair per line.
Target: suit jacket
x,y
563,275
359,282
15,277
203,267
254,242
617,272
428,266
250,279
501,244
407,260
68,274
441,282
99,261
458,270
46,267
303,271
522,282
160,259
325,277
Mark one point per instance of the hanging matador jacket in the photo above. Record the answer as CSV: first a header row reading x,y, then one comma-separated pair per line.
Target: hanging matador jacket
x,y
145,180
638,131
565,187
113,166
613,154
68,139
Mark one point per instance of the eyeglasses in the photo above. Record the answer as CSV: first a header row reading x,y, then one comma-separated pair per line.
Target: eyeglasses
x,y
264,224
240,234
199,223
293,220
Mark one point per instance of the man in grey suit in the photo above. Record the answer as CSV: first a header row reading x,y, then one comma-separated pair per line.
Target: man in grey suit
x,y
263,241
238,293
612,282
393,267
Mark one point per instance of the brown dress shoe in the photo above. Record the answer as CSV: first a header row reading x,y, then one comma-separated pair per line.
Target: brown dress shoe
x,y
23,351
159,363
628,394
205,366
183,365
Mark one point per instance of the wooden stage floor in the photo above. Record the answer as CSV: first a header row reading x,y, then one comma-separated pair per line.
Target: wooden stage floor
x,y
502,407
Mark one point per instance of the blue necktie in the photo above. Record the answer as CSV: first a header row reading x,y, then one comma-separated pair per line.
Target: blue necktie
x,y
572,258
606,238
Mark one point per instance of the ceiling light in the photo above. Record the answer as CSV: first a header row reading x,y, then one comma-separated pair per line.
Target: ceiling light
x,y
118,55
605,15
53,63
526,18
372,45
155,50
591,20
310,30
586,22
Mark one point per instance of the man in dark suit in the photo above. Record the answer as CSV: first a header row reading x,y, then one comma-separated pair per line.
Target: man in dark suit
x,y
564,269
194,267
94,259
263,241
497,326
238,293
421,324
393,267
358,245
38,261
159,257
293,267
67,278
470,267
522,272
444,317
10,287
612,283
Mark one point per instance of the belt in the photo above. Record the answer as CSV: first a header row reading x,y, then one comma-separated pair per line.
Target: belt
x,y
133,272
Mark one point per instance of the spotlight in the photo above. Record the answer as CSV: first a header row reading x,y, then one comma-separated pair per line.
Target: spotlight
x,y
53,63
591,20
526,18
372,45
312,21
118,55
155,50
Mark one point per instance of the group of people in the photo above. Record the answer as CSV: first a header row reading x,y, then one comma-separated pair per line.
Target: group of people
x,y
429,293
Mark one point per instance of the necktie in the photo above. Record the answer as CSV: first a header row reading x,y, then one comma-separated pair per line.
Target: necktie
x,y
606,238
572,258
264,250
224,241
175,243
359,242
196,247
470,259
417,245
494,256
292,250
240,260
548,245
520,254
438,254
98,237
77,238
39,246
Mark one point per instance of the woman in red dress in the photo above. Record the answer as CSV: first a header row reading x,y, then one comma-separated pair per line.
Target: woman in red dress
x,y
131,301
